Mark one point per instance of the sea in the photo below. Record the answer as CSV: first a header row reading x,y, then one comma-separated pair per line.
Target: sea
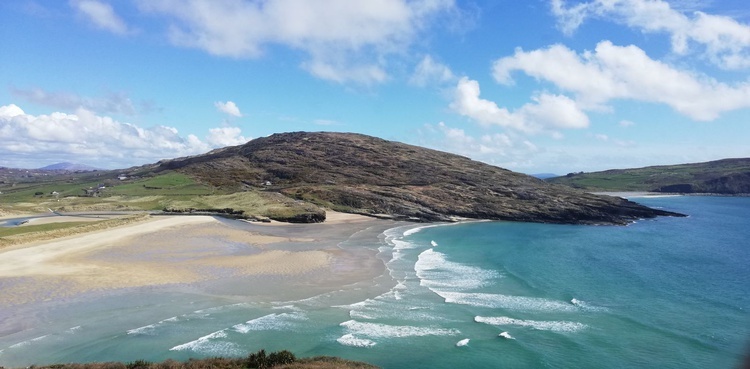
x,y
665,292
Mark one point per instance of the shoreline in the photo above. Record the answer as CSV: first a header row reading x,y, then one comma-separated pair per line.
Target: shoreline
x,y
180,250
640,194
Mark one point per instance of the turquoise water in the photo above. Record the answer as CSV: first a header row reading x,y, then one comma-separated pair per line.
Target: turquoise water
x,y
669,293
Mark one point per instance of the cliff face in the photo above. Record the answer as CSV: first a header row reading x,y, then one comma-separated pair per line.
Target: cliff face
x,y
362,174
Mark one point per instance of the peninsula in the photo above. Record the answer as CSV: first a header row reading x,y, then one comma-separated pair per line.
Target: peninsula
x,y
294,177
725,177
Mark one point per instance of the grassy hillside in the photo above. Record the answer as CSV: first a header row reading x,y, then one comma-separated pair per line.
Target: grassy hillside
x,y
142,190
293,176
728,176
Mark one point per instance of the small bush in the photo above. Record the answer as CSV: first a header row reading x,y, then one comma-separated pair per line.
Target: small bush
x,y
138,364
281,358
258,360
261,360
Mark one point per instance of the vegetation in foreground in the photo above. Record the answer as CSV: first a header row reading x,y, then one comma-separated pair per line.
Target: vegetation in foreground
x,y
259,360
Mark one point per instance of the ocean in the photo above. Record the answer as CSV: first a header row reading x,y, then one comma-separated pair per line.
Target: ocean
x,y
665,292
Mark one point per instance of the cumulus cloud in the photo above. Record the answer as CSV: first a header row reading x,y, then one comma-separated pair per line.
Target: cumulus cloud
x,y
625,72
429,71
111,103
503,149
724,40
547,112
101,15
225,136
344,40
229,108
88,137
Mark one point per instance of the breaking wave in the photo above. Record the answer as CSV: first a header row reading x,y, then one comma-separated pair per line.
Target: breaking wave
x,y
554,326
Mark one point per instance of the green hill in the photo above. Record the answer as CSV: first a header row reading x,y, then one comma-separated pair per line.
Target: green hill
x,y
727,176
294,176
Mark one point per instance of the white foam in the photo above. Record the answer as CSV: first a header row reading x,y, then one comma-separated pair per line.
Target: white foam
x,y
24,343
462,342
554,326
412,231
73,329
506,335
399,245
350,340
271,322
208,345
433,243
149,329
498,301
437,273
385,309
585,306
145,330
377,330
220,308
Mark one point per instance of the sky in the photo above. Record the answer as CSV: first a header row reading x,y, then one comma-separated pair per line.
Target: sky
x,y
535,86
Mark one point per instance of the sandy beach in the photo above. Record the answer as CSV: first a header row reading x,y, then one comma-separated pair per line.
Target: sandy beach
x,y
173,250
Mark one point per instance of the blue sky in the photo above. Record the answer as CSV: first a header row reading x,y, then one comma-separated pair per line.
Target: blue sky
x,y
533,86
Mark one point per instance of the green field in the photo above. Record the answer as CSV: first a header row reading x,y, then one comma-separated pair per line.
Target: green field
x,y
166,190
722,176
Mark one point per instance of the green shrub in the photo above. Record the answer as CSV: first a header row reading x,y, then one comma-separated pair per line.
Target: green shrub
x,y
261,360
138,364
281,358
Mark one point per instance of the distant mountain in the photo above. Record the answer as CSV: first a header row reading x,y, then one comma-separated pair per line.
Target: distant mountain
x,y
367,175
544,175
68,166
727,176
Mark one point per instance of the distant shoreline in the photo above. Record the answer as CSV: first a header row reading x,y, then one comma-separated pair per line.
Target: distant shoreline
x,y
642,194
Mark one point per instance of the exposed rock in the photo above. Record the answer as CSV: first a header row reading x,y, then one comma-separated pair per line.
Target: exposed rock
x,y
367,175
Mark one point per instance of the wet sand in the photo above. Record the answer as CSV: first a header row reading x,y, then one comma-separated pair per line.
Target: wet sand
x,y
185,250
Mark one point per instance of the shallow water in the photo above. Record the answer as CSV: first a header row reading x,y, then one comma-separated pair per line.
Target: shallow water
x,y
670,292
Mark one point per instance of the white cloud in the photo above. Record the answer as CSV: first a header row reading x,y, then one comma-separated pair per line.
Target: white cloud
x,y
101,140
503,149
546,113
101,15
225,136
726,41
625,72
229,108
112,103
428,71
345,40
10,111
626,123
